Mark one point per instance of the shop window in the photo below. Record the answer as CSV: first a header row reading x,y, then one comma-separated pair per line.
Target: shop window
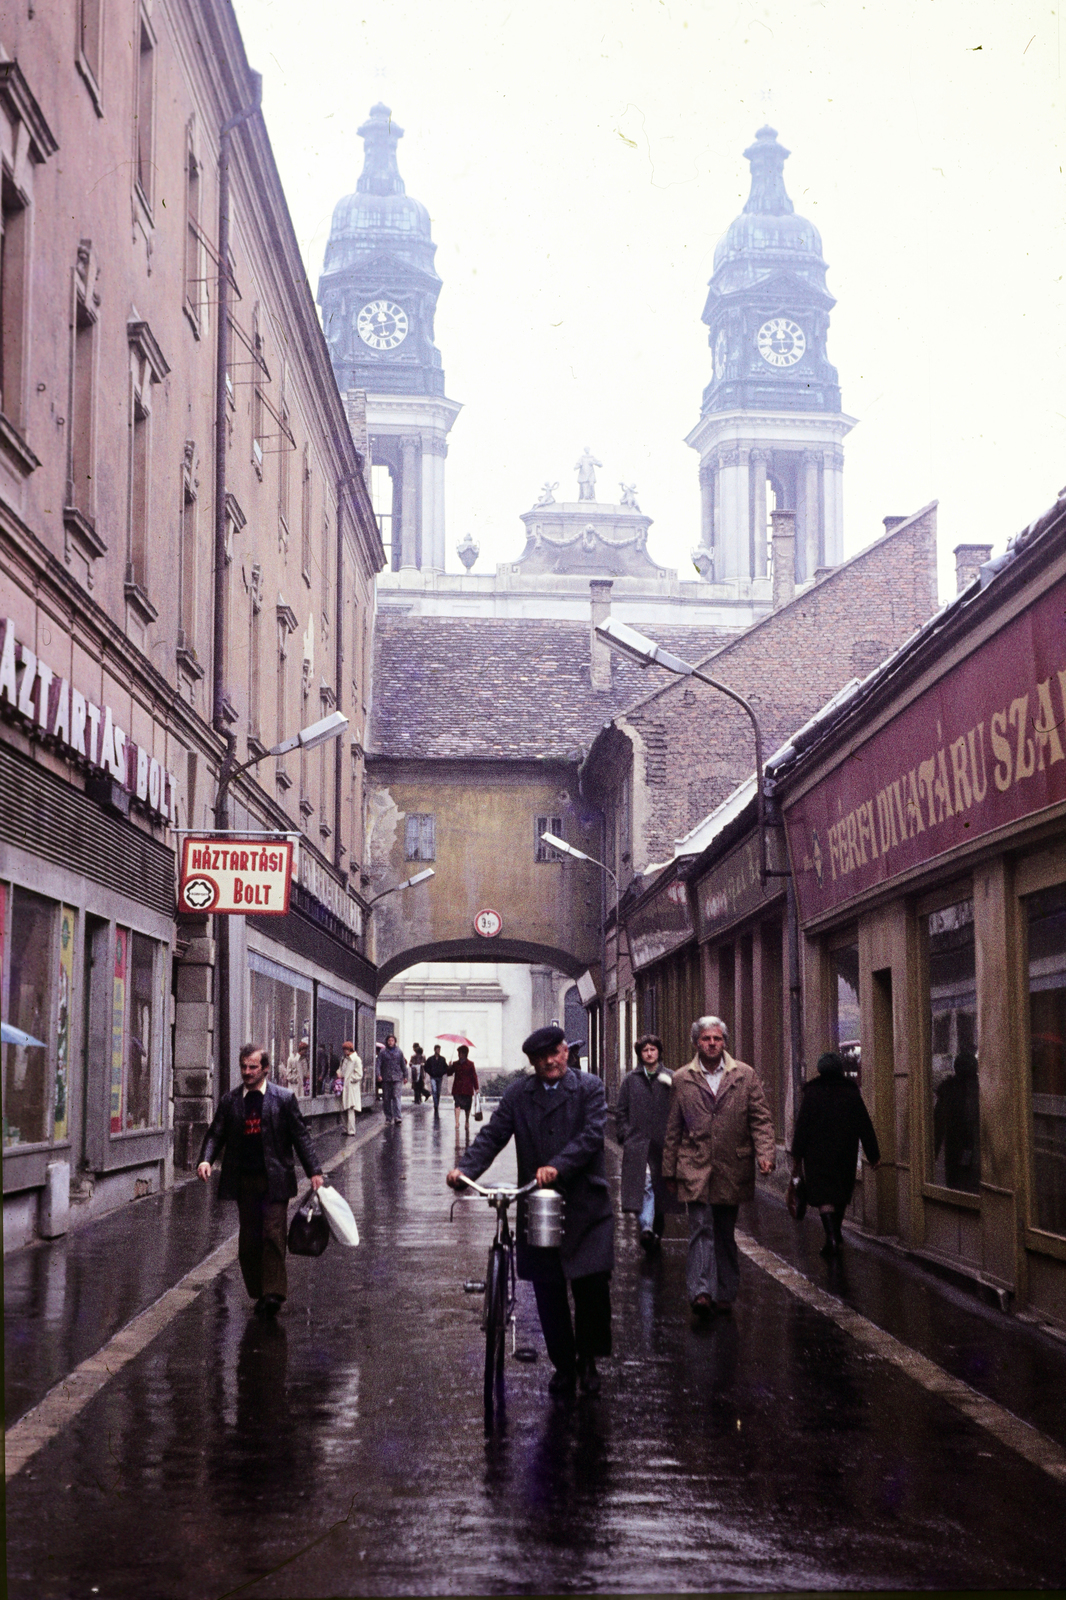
x,y
542,851
844,1026
334,1022
136,1034
1047,1045
952,973
420,838
30,964
281,1019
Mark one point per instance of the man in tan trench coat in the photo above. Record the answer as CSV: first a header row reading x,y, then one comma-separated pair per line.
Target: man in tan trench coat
x,y
719,1124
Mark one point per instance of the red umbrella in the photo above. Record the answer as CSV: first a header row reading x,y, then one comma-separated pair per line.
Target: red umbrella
x,y
456,1038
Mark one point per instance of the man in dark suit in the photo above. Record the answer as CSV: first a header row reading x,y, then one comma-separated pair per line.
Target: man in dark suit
x,y
257,1127
557,1119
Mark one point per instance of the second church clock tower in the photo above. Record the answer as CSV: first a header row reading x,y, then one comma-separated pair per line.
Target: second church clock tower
x,y
378,293
771,427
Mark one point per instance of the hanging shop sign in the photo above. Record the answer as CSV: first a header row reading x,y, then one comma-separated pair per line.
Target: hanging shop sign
x,y
228,876
79,729
659,925
981,749
488,923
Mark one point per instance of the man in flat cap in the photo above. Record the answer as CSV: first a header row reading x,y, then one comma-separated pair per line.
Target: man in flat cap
x,y
557,1118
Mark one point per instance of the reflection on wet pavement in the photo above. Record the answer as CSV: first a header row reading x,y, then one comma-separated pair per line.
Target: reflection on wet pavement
x,y
341,1451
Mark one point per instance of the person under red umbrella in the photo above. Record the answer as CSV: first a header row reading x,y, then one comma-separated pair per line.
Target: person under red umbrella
x,y
464,1087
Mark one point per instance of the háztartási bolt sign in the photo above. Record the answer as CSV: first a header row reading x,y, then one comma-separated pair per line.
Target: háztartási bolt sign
x,y
230,877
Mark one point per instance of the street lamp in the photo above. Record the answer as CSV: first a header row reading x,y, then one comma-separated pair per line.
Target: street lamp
x,y
580,855
645,652
307,738
408,883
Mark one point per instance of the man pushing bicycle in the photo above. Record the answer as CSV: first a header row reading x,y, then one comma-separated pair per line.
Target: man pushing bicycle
x,y
557,1118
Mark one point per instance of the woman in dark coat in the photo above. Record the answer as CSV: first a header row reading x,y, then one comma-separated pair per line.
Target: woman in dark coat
x,y
825,1146
641,1110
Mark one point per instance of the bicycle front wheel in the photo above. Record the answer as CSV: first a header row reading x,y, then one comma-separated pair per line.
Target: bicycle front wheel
x,y
495,1322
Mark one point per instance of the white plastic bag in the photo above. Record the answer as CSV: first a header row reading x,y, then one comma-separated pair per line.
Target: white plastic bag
x,y
339,1216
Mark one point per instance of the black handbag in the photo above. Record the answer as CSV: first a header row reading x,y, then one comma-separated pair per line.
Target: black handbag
x,y
309,1228
796,1199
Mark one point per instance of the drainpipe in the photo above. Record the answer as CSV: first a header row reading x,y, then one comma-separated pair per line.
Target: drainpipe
x,y
218,653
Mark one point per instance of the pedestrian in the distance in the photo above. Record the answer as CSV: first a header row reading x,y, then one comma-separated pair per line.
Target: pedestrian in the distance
x,y
719,1123
417,1065
392,1070
464,1087
557,1119
351,1085
832,1121
641,1112
257,1127
436,1072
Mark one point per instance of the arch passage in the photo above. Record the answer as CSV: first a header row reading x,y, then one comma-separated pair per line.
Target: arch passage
x,y
515,951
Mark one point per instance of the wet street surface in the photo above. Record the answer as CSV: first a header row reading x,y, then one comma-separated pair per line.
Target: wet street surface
x,y
342,1450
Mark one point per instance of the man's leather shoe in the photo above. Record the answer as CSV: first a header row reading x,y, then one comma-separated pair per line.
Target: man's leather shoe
x,y
648,1241
562,1381
271,1304
588,1377
703,1306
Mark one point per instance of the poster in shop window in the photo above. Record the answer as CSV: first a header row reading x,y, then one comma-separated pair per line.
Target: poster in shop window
x,y
235,877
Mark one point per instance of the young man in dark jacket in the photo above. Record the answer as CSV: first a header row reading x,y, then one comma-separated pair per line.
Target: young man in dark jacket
x,y
557,1119
437,1070
257,1127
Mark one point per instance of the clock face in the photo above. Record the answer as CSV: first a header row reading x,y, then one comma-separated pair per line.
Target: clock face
x,y
382,325
781,342
719,356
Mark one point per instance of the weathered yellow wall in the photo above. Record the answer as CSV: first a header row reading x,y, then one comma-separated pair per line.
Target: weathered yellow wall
x,y
485,859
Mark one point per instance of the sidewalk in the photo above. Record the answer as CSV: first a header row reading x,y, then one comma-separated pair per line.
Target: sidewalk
x,y
65,1298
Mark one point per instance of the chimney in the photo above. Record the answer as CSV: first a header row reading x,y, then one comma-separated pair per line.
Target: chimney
x,y
599,652
892,522
355,408
783,540
969,559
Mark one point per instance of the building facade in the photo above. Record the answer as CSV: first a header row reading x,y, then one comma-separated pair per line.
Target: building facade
x,y
187,557
925,819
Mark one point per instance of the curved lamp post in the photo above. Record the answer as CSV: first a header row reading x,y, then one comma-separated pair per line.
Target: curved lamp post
x,y
408,883
645,652
307,738
565,849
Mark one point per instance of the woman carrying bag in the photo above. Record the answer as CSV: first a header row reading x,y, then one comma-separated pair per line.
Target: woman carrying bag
x,y
464,1087
825,1146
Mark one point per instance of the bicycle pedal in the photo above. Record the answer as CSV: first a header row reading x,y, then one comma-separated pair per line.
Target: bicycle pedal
x,y
474,1286
526,1352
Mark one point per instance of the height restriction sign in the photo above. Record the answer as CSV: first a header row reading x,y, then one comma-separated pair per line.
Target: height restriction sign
x,y
227,876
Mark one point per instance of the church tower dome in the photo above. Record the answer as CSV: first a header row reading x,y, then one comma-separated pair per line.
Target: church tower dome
x,y
771,424
378,295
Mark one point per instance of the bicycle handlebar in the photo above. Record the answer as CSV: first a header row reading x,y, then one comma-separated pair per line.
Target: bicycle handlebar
x,y
503,1191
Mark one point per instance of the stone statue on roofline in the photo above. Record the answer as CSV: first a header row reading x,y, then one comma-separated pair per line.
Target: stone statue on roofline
x,y
629,496
586,475
547,494
468,550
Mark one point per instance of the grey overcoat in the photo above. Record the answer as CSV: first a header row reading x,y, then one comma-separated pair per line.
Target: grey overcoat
x,y
640,1115
562,1128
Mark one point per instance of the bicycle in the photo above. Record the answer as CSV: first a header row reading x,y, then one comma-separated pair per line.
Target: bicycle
x,y
500,1285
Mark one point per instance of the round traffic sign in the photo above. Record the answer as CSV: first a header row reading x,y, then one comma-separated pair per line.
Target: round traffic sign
x,y
488,923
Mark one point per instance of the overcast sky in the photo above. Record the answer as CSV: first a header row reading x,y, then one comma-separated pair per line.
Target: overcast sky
x,y
581,158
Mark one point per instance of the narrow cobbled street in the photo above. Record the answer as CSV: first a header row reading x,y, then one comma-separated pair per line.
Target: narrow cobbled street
x,y
781,1448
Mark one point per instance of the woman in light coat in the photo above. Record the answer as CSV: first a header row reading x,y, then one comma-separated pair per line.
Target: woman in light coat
x,y
351,1076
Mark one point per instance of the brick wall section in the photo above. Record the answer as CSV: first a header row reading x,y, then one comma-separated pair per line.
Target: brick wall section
x,y
699,745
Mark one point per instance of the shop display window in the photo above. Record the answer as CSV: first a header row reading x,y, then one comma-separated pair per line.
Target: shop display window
x,y
1047,1044
844,1028
953,1064
136,1033
281,1018
28,1007
334,1022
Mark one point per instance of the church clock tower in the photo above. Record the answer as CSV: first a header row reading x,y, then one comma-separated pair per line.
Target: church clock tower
x,y
378,293
771,427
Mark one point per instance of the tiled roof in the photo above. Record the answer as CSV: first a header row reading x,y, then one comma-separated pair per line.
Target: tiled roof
x,y
502,688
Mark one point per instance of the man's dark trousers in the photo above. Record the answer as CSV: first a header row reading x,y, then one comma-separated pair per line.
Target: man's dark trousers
x,y
589,1335
262,1238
